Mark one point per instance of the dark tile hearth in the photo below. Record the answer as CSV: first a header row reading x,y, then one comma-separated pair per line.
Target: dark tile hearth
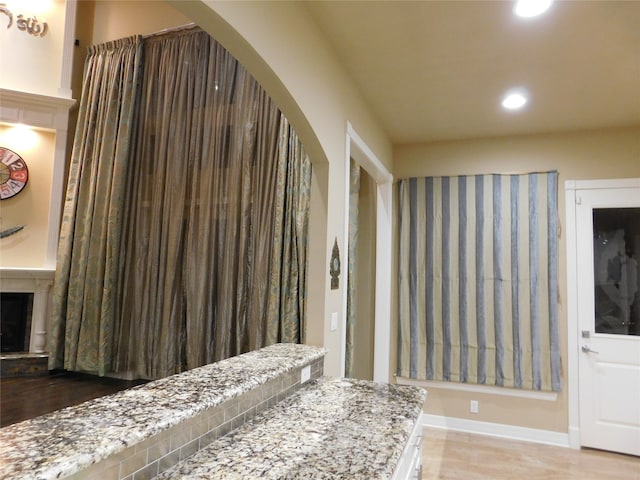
x,y
22,364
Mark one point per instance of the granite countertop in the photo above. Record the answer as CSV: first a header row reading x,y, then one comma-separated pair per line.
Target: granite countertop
x,y
63,442
329,429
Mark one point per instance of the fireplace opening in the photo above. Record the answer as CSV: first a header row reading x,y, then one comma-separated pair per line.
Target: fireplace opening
x,y
15,321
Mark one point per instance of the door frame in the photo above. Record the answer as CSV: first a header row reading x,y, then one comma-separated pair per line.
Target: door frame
x,y
357,149
572,190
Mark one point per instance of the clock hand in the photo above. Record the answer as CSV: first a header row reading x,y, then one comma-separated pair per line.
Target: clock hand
x,y
10,231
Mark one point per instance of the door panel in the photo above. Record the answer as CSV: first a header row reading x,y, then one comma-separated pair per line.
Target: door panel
x,y
614,408
608,249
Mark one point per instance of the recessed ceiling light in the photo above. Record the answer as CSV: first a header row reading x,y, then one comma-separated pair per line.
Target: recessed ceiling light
x,y
514,100
531,8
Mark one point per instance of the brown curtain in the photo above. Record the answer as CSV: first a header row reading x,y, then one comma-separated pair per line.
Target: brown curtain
x,y
196,270
213,256
287,285
86,275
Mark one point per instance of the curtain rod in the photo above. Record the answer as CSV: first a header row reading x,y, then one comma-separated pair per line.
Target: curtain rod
x,y
169,30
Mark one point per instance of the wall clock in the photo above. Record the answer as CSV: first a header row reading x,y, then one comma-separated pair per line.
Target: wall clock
x,y
14,173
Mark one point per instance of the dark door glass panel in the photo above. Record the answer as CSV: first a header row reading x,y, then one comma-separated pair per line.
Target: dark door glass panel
x,y
616,248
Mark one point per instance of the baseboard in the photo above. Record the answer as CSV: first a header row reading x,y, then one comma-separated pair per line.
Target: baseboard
x,y
511,432
574,437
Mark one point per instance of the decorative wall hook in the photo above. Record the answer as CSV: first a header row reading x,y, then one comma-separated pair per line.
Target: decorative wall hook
x,y
334,266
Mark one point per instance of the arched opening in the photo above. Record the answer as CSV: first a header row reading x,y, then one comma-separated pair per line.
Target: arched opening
x,y
214,23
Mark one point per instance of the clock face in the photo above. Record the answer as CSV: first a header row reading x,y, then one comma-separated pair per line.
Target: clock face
x,y
14,173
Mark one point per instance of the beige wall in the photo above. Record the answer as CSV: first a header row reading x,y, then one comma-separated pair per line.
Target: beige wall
x,y
30,207
118,19
365,279
32,63
581,155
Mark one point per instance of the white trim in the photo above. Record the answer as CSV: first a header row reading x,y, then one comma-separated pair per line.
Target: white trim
x,y
361,153
572,198
472,388
382,331
574,438
572,316
68,47
35,110
601,184
345,259
510,432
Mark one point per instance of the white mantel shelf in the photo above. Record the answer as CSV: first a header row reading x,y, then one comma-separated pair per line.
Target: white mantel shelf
x,y
15,273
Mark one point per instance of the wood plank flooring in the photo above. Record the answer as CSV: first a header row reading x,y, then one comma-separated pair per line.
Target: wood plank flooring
x,y
22,398
463,456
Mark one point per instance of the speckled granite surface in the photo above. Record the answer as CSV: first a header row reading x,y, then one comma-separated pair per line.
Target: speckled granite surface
x,y
330,429
63,442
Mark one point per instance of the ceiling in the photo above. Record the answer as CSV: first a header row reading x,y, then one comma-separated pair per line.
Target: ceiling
x,y
436,70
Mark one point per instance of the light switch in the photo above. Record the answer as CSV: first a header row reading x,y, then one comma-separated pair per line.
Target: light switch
x,y
334,321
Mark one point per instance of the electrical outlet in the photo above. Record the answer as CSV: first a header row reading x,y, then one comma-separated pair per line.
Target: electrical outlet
x,y
474,406
305,374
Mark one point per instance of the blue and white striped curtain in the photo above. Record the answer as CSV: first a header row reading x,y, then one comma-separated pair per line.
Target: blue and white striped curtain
x,y
478,281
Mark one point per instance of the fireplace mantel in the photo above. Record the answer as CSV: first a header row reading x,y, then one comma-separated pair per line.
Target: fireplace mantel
x,y
37,281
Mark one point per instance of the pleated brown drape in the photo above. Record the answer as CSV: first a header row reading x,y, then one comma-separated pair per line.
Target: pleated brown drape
x,y
217,174
84,290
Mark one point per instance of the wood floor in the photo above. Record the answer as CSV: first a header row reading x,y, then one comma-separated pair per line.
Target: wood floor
x,y
446,454
463,456
22,398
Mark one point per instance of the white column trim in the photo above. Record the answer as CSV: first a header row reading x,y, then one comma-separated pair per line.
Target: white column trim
x,y
384,246
345,258
572,315
68,47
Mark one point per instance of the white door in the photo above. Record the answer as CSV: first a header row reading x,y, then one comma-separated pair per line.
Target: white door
x,y
608,309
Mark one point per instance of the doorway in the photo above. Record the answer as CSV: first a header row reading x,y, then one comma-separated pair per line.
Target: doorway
x,y
604,308
361,275
380,260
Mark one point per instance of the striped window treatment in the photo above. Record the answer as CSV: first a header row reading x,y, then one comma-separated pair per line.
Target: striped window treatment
x,y
478,281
